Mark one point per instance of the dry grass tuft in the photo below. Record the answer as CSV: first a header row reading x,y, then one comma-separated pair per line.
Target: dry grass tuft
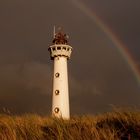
x,y
116,125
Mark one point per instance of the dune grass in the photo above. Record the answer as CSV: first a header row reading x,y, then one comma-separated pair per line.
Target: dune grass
x,y
116,125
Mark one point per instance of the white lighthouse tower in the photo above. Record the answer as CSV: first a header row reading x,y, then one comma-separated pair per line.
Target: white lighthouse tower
x,y
60,52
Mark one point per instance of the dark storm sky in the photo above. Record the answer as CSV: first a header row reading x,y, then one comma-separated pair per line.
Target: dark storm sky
x,y
99,75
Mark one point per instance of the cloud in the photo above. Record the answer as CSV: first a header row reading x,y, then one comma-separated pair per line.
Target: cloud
x,y
31,75
25,87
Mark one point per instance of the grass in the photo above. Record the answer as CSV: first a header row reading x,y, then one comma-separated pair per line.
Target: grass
x,y
116,125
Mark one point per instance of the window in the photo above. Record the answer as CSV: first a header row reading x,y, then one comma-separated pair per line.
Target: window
x,y
58,48
56,110
57,75
53,49
64,48
57,92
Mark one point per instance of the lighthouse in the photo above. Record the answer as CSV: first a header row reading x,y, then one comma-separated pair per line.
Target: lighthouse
x,y
60,53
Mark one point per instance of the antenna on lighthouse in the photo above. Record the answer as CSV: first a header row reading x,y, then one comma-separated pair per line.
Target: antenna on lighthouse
x,y
54,33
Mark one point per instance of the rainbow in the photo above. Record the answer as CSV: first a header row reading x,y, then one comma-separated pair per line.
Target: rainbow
x,y
120,46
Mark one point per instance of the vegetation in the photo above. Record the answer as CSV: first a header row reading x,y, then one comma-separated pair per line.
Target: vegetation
x,y
116,125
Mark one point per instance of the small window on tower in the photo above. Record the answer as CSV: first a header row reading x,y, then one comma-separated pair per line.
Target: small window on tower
x,y
56,110
53,49
57,75
64,48
58,48
57,92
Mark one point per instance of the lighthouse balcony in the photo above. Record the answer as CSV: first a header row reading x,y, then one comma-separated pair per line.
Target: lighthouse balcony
x,y
60,50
